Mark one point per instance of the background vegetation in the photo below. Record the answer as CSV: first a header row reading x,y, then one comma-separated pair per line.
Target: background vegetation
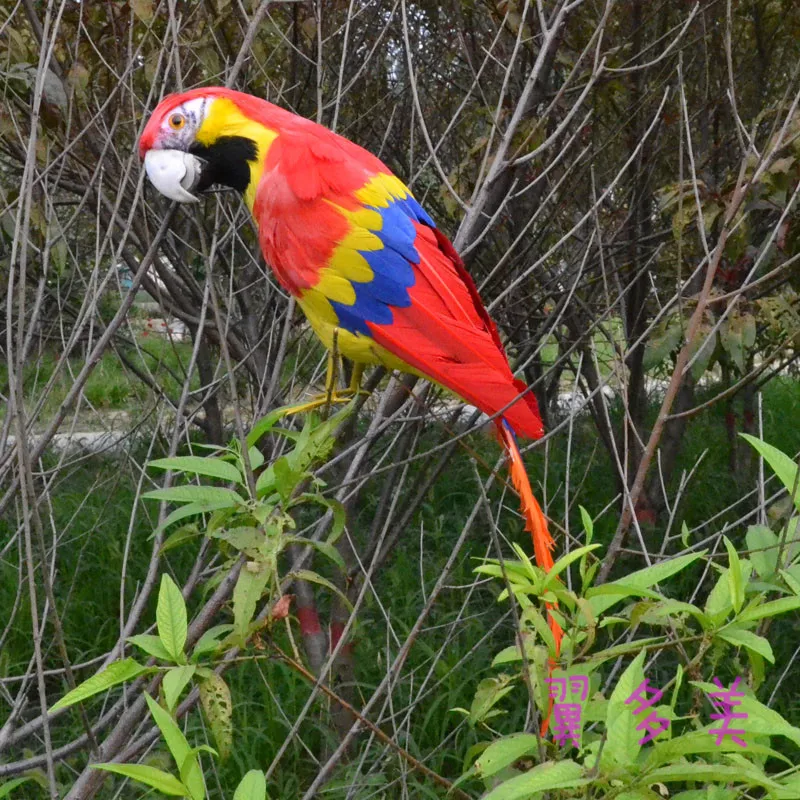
x,y
621,178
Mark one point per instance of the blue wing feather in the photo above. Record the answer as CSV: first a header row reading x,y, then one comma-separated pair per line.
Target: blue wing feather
x,y
392,267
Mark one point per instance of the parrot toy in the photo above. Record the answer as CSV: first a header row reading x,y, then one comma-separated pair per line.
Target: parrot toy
x,y
377,280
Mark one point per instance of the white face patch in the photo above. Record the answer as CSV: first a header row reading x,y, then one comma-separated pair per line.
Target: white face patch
x,y
180,126
174,173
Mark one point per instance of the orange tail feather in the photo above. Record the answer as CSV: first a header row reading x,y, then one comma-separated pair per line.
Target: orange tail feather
x,y
536,523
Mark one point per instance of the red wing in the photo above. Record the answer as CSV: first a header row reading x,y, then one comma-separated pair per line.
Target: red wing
x,y
446,334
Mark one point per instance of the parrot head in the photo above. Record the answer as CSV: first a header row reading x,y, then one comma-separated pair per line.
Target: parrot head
x,y
196,139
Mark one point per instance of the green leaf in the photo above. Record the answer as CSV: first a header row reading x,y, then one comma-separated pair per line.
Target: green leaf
x,y
211,467
9,786
333,505
563,562
735,577
770,609
184,534
489,693
241,538
152,645
217,496
781,464
286,478
256,457
763,546
179,748
709,773
210,641
175,681
252,787
743,638
702,742
114,674
265,424
588,524
564,774
265,481
642,579
248,590
149,776
215,698
622,743
190,510
171,618
718,602
503,752
312,577
327,549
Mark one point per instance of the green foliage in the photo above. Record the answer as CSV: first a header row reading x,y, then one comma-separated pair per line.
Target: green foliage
x,y
609,756
245,523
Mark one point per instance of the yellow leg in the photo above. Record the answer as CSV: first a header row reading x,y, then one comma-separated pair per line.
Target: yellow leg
x,y
331,394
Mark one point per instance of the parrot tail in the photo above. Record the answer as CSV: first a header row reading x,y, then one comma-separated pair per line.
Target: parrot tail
x,y
536,523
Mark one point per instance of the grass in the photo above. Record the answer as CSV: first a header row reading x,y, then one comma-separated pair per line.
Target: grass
x,y
91,512
111,385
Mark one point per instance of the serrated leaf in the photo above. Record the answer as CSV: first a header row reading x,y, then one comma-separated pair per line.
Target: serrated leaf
x,y
152,645
171,618
175,681
752,641
249,587
564,774
252,787
209,466
215,496
215,698
781,464
179,749
114,674
149,776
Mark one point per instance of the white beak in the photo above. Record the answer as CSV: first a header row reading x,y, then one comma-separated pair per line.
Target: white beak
x,y
174,173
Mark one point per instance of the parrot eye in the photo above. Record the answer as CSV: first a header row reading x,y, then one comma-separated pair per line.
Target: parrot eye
x,y
177,121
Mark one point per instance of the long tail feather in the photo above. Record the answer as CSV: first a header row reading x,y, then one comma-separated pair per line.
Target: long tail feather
x,y
536,523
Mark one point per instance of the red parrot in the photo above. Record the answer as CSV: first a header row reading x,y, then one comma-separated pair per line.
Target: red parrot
x,y
377,280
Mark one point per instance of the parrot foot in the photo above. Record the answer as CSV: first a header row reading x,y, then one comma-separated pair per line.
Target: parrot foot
x,y
332,395
334,398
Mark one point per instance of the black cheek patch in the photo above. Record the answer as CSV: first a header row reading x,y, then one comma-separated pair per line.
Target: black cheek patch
x,y
226,162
